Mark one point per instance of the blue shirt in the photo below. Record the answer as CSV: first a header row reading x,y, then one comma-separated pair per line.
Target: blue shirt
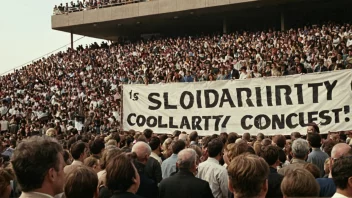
x,y
318,157
169,166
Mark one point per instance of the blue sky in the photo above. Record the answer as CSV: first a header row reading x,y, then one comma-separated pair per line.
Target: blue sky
x,y
26,32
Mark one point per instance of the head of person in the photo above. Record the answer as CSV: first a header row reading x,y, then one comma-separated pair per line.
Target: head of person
x,y
193,136
300,149
82,182
299,183
148,133
260,136
79,151
342,175
271,155
232,137
215,148
279,140
236,149
248,176
175,134
338,151
183,137
166,147
178,146
314,140
187,159
108,154
93,163
38,164
313,169
122,175
246,137
142,151
313,128
154,144
295,135
97,146
5,182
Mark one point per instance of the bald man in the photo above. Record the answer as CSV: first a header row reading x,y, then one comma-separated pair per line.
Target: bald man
x,y
184,183
339,150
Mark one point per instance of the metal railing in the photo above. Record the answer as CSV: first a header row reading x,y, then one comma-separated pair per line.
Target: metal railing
x,y
79,8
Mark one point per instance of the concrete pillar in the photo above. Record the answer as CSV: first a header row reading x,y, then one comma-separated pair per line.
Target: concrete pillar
x,y
71,40
224,25
282,20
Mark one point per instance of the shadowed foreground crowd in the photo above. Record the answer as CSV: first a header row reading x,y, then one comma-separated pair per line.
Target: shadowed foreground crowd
x,y
143,164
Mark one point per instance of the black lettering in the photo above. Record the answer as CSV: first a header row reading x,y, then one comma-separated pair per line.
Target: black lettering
x,y
166,102
160,122
217,121
224,123
185,123
288,92
171,123
140,120
239,97
191,100
337,114
258,93
196,120
269,96
289,121
312,116
243,122
258,122
315,87
299,93
129,119
301,120
208,104
226,97
152,121
206,122
155,101
324,115
199,99
329,88
279,122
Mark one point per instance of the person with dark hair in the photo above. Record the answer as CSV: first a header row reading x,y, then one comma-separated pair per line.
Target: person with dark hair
x,y
280,141
317,156
169,165
122,177
155,145
342,175
258,143
148,133
205,142
82,182
175,134
193,138
212,172
295,135
184,183
248,176
232,137
246,137
271,155
96,147
39,167
312,128
5,183
79,152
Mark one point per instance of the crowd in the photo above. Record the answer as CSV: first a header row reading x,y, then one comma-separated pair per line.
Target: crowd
x,y
75,96
143,164
90,4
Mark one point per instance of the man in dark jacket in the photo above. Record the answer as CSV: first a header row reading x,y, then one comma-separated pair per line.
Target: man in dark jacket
x,y
184,183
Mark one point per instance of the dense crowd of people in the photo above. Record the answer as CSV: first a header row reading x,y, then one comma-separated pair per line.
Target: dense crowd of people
x,y
90,4
60,121
144,164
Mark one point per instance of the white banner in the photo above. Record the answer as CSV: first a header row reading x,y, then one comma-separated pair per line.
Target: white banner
x,y
269,105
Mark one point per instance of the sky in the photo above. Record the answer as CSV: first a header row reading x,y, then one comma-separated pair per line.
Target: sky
x,y
26,33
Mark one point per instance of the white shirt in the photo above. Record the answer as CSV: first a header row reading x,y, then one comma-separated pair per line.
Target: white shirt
x,y
338,195
4,125
212,172
155,156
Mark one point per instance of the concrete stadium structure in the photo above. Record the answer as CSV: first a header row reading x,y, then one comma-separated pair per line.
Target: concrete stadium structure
x,y
180,17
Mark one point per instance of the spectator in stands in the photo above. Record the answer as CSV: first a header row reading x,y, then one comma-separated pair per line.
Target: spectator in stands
x,y
212,172
342,176
317,156
148,187
148,133
9,151
5,183
258,143
169,165
79,153
184,183
299,183
108,154
280,141
300,151
122,177
154,144
93,163
82,182
312,128
271,155
193,138
97,147
246,137
248,176
39,167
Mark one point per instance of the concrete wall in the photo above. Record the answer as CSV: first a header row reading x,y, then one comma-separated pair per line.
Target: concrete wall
x,y
153,7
